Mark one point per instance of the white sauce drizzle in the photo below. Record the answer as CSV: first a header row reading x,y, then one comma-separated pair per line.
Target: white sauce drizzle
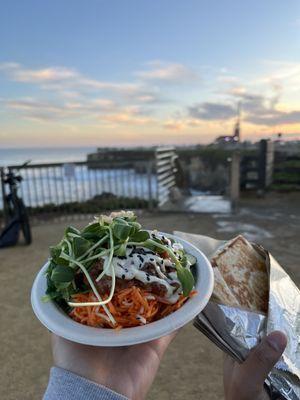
x,y
130,267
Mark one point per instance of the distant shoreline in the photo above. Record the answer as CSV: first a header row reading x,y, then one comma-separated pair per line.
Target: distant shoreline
x,y
14,156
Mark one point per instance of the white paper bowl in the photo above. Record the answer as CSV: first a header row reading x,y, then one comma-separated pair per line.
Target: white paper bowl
x,y
61,324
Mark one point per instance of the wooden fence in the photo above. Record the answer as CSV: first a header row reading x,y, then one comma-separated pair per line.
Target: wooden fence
x,y
256,169
286,174
270,169
166,173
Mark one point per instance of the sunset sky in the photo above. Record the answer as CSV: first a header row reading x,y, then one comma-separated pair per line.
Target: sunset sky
x,y
131,72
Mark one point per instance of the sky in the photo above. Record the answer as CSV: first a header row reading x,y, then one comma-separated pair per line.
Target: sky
x,y
140,72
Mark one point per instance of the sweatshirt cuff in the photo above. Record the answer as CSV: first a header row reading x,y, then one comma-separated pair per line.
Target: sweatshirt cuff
x,y
64,385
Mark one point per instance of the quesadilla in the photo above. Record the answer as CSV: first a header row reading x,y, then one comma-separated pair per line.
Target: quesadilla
x,y
245,275
222,293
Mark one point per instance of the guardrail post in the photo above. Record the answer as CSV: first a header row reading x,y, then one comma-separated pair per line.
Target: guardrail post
x,y
235,181
5,211
266,164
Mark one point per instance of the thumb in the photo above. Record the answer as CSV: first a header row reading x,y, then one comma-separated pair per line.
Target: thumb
x,y
160,345
262,359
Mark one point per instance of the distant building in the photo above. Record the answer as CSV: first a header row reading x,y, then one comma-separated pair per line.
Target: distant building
x,y
227,139
233,139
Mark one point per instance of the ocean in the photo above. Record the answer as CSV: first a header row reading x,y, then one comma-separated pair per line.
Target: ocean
x,y
11,156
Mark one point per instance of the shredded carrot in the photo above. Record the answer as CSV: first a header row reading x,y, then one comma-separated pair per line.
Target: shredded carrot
x,y
130,307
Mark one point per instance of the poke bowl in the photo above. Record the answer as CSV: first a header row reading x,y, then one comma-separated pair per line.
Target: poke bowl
x,y
116,284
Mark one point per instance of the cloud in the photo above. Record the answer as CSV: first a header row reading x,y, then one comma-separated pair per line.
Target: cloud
x,y
100,110
74,95
43,75
68,96
8,66
283,74
252,102
212,111
167,72
275,117
174,125
263,110
257,109
61,78
183,123
43,110
127,118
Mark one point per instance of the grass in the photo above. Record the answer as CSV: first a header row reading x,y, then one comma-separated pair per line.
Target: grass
x,y
103,202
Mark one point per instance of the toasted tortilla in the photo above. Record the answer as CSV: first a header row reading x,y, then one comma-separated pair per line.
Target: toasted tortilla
x,y
245,274
222,293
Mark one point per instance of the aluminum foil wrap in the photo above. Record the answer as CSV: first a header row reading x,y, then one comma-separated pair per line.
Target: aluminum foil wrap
x,y
236,331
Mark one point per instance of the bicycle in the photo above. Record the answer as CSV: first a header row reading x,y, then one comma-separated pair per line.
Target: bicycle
x,y
16,214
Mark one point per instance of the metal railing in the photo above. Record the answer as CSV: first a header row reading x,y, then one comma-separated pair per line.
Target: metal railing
x,y
64,186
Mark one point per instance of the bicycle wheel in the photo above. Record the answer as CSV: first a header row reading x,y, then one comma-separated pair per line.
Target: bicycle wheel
x,y
24,221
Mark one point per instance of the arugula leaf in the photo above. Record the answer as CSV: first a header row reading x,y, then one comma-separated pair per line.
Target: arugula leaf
x,y
62,273
186,279
51,288
51,296
71,229
93,231
55,252
136,227
140,236
121,229
62,285
80,246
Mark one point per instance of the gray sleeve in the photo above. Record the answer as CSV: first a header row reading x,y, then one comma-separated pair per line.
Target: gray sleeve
x,y
64,385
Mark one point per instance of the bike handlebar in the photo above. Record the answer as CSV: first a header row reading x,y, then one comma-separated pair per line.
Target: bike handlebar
x,y
11,176
24,164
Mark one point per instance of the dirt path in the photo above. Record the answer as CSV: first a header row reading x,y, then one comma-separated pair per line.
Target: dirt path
x,y
192,367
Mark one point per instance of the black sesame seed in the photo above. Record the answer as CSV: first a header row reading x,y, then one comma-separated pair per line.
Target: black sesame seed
x,y
148,278
151,259
123,276
140,251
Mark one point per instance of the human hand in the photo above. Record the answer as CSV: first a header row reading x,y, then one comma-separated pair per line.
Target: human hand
x,y
129,370
245,381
